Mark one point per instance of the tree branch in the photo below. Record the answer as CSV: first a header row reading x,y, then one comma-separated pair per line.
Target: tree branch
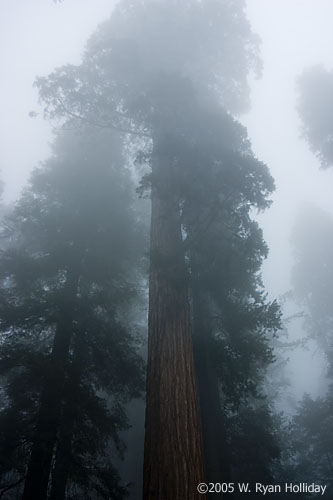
x,y
10,486
102,125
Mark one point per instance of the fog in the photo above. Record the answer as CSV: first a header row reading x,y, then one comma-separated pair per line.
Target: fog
x,y
36,37
40,35
294,35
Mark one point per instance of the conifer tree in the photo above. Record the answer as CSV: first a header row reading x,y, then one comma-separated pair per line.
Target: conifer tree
x,y
174,93
310,430
67,278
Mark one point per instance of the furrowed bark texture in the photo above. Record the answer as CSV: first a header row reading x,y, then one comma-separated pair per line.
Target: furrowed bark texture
x,y
36,483
173,462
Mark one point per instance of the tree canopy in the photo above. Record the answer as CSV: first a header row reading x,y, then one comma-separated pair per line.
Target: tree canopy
x,y
68,275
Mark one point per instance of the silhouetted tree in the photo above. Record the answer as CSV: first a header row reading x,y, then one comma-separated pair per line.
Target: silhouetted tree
x,y
312,438
312,278
67,277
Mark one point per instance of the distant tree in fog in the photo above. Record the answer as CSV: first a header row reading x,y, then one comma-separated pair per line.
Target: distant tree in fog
x,y
311,438
312,274
311,430
68,357
315,107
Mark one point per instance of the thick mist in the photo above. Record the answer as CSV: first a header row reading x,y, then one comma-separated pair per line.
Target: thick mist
x,y
294,36
207,108
35,37
44,35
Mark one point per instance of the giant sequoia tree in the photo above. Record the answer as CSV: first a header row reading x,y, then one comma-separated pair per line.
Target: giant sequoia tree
x,y
68,358
172,80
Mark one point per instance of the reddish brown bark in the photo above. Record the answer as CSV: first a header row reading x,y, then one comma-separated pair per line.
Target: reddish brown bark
x,y
173,463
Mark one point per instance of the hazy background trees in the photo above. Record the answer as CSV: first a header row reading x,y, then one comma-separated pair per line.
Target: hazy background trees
x,y
69,273
234,321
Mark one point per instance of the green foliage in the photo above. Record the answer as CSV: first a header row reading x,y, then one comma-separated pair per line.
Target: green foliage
x,y
210,43
172,81
142,66
76,214
311,434
255,443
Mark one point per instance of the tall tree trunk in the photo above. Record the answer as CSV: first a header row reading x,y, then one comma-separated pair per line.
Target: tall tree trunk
x,y
63,457
36,483
173,459
216,450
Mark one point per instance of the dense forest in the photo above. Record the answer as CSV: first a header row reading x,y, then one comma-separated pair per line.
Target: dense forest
x,y
142,355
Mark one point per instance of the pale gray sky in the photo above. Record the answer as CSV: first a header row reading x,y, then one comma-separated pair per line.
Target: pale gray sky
x,y
295,34
38,35
35,37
